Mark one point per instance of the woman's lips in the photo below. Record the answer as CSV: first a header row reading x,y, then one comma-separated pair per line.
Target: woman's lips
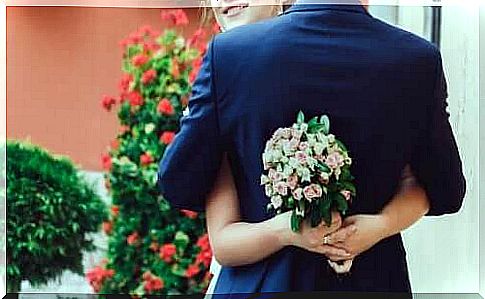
x,y
234,10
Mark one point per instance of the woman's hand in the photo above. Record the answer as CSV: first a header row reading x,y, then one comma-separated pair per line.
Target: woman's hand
x,y
358,234
311,238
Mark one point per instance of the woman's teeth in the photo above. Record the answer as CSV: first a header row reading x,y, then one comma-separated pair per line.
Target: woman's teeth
x,y
235,10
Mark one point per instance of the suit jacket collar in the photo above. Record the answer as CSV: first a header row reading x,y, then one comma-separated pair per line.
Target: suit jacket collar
x,y
316,5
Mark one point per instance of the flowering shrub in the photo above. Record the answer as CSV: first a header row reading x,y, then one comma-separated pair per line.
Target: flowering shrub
x,y
153,249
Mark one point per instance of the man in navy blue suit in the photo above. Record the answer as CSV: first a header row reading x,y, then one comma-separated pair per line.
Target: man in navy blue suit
x,y
385,92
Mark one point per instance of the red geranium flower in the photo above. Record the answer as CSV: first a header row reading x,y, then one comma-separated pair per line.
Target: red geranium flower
x,y
146,159
115,144
165,107
203,242
97,275
189,214
148,76
124,129
178,17
136,99
192,270
204,257
131,239
107,102
167,137
124,83
107,227
115,210
153,284
167,252
135,37
150,46
147,275
106,162
145,30
184,101
139,60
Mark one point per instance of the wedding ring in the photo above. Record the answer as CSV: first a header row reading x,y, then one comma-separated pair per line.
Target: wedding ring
x,y
326,240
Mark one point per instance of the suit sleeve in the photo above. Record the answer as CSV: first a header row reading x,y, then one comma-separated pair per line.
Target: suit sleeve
x,y
189,166
436,161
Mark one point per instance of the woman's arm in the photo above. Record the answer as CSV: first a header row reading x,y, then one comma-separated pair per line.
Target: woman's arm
x,y
408,205
237,243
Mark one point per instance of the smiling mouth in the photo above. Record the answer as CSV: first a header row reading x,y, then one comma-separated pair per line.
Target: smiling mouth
x,y
234,10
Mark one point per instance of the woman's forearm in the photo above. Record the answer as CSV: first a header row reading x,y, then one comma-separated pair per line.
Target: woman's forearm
x,y
408,206
246,243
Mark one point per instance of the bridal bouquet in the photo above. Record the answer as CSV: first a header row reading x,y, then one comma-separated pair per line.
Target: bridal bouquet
x,y
307,170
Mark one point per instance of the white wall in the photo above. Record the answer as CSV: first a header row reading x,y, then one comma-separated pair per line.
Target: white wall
x,y
482,152
443,254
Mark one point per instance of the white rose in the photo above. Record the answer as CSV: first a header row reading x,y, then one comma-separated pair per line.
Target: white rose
x,y
268,189
294,163
304,127
277,201
265,179
318,148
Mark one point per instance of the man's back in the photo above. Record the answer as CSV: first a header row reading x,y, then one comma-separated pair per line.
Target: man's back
x,y
385,93
377,84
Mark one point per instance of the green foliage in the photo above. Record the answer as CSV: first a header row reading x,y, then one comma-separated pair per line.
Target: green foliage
x,y
50,212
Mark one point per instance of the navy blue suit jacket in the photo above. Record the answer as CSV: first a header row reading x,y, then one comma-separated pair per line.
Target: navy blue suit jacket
x,y
385,92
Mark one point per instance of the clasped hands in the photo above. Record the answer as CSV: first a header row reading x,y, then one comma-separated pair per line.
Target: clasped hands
x,y
344,239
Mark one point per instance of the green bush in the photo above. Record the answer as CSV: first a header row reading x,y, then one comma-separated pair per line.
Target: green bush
x,y
50,211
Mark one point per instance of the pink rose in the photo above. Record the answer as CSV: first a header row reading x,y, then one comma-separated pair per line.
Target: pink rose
x,y
303,146
281,188
275,175
292,181
335,160
301,157
312,191
298,193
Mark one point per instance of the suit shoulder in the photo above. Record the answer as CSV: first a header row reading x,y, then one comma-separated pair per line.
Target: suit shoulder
x,y
245,36
408,40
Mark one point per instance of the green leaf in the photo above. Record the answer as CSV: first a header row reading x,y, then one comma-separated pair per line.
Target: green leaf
x,y
325,121
312,123
300,118
341,145
323,167
315,215
181,240
295,222
350,187
342,204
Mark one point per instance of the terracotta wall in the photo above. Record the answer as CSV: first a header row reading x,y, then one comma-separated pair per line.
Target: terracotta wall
x,y
60,61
